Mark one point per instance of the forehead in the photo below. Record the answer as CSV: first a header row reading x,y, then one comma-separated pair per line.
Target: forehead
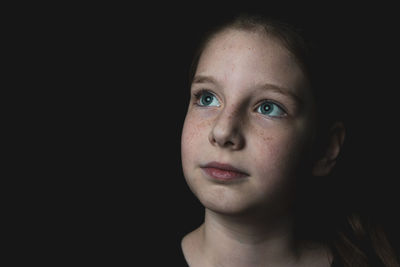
x,y
250,57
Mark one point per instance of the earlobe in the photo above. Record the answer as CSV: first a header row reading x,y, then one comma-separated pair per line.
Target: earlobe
x,y
325,164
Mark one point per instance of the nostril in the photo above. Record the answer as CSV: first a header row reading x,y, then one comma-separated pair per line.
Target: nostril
x,y
212,140
229,143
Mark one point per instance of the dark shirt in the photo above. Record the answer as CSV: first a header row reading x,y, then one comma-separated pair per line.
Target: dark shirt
x,y
182,262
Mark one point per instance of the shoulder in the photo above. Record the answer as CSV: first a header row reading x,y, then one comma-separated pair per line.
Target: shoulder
x,y
315,254
190,246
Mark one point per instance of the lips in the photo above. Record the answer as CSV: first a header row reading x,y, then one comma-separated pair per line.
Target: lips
x,y
223,171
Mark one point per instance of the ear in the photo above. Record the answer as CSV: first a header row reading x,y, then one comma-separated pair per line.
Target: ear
x,y
325,164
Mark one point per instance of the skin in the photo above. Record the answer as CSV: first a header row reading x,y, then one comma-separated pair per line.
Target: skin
x,y
248,222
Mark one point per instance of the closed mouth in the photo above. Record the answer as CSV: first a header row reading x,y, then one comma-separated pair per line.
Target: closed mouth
x,y
223,171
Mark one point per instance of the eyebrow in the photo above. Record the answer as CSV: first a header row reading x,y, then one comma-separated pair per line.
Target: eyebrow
x,y
266,86
282,91
204,79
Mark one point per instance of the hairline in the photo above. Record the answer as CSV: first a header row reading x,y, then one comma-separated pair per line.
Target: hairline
x,y
263,28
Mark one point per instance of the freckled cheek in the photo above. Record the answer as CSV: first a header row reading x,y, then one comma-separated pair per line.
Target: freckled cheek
x,y
194,136
272,152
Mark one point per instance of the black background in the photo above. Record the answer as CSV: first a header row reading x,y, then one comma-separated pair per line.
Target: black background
x,y
112,89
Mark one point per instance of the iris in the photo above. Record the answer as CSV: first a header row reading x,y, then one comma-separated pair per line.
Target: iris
x,y
208,99
271,109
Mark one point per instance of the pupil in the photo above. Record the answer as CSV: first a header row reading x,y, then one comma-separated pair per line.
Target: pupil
x,y
207,99
267,107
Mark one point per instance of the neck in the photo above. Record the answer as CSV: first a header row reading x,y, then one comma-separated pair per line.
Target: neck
x,y
248,241
228,240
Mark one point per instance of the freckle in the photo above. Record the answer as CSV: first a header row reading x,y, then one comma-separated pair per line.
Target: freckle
x,y
203,124
268,138
262,135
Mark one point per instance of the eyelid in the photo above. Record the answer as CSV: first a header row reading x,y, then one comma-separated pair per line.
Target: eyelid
x,y
199,92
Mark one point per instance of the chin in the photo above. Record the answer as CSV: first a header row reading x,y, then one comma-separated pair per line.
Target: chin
x,y
225,204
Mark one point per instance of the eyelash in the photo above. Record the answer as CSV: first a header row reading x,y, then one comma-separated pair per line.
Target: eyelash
x,y
198,94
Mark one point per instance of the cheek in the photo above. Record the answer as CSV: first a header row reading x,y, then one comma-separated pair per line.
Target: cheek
x,y
194,135
275,151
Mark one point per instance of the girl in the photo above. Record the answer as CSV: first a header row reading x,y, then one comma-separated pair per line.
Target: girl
x,y
256,143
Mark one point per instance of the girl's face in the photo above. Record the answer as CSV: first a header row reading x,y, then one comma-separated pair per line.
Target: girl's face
x,y
249,124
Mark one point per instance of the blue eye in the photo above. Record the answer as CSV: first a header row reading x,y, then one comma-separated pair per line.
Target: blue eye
x,y
271,109
207,99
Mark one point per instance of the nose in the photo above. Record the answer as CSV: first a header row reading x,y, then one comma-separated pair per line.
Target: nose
x,y
227,131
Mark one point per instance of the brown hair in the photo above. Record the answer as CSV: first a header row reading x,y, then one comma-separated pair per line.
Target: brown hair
x,y
355,239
